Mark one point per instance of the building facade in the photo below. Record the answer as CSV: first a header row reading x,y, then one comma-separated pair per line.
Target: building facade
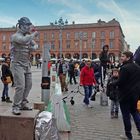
x,y
73,40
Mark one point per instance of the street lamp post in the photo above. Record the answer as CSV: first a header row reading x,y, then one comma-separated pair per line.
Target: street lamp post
x,y
60,23
92,47
80,37
60,43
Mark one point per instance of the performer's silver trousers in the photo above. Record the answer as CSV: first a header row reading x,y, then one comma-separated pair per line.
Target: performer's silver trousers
x,y
23,83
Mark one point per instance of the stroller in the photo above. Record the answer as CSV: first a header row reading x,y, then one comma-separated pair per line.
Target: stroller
x,y
79,89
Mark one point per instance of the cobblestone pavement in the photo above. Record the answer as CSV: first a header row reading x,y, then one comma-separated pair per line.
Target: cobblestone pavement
x,y
95,123
86,123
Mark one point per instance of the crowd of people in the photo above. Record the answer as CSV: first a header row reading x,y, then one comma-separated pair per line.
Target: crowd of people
x,y
122,87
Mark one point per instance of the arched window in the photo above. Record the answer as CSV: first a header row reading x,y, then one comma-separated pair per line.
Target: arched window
x,y
68,55
94,56
3,55
76,56
52,55
85,55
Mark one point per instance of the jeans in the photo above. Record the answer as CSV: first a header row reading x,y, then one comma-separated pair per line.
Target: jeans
x,y
128,108
114,106
88,93
5,90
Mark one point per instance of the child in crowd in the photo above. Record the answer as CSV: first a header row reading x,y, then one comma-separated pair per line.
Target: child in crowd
x,y
112,93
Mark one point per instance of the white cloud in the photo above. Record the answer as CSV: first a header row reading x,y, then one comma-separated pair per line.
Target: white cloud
x,y
7,21
112,7
87,18
129,21
109,9
76,6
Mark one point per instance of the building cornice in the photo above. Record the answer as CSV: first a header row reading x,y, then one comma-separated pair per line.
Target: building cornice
x,y
99,24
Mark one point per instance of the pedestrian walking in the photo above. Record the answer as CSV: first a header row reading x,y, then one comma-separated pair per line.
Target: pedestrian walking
x,y
87,80
22,44
128,84
112,92
62,71
72,72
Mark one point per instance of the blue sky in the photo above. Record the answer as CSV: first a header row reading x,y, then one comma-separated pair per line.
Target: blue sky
x,y
42,12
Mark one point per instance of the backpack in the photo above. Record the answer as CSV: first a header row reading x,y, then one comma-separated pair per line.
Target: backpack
x,y
136,56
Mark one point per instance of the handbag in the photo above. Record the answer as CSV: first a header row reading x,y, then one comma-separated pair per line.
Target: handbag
x,y
8,80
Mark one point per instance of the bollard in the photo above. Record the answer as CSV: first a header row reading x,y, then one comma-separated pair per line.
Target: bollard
x,y
45,85
103,96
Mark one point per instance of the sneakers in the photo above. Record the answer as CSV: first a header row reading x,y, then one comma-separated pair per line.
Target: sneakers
x,y
85,105
89,106
123,137
16,111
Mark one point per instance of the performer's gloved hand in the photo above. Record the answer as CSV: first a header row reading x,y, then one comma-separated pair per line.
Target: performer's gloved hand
x,y
36,33
33,45
36,46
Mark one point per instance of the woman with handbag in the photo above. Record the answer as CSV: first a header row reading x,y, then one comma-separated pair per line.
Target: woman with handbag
x,y
6,79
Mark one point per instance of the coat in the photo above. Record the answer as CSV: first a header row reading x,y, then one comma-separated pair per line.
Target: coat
x,y
87,76
5,69
104,58
129,81
112,90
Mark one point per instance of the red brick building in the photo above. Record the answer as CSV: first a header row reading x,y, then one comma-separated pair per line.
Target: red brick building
x,y
84,39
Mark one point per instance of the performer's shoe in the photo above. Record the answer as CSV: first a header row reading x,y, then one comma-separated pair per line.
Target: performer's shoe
x,y
16,111
26,108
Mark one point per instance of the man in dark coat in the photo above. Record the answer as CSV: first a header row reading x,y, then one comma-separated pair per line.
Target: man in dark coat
x,y
128,84
72,72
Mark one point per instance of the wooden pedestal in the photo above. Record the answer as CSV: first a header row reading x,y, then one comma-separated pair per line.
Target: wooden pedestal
x,y
40,106
20,127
